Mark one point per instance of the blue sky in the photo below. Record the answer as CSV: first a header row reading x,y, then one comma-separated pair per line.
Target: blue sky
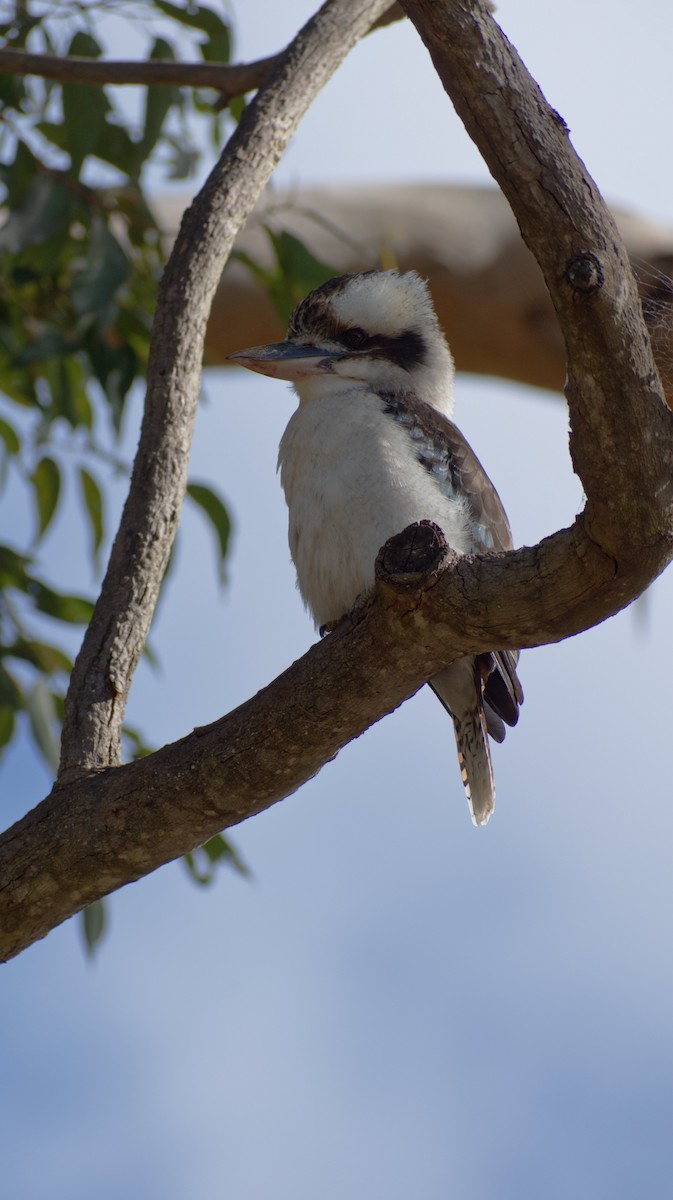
x,y
396,1004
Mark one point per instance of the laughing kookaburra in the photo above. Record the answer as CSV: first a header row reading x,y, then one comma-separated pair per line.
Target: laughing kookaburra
x,y
371,450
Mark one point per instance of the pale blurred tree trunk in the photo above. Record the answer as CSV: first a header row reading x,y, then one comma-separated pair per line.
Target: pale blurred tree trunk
x,y
488,289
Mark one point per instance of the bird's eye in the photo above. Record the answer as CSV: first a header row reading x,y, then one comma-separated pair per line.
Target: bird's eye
x,y
353,338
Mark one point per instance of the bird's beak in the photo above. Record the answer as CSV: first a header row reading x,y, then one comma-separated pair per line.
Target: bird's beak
x,y
286,360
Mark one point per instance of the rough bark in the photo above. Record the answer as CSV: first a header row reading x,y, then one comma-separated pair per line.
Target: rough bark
x,y
613,390
103,831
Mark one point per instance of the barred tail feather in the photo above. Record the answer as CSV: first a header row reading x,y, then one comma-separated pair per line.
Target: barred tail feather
x,y
474,758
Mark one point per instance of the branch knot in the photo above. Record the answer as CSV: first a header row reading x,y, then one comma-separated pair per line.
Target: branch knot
x,y
584,273
412,557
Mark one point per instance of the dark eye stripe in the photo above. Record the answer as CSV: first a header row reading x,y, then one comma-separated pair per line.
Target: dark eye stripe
x,y
314,319
407,350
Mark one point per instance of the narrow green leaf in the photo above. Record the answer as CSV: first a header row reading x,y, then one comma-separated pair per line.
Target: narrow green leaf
x,y
85,108
203,877
220,849
10,692
44,212
93,502
106,268
18,175
55,132
116,146
184,158
218,46
202,862
12,89
214,508
73,609
94,925
39,703
158,103
138,747
42,655
10,437
237,106
67,385
13,571
196,17
46,481
115,367
299,271
7,724
49,342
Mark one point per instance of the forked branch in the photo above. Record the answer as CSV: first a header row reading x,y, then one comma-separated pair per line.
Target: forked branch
x,y
102,831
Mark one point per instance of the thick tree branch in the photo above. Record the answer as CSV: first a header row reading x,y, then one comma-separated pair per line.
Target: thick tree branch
x,y
109,829
104,831
614,394
115,638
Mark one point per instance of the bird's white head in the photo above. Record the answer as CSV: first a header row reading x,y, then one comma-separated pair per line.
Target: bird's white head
x,y
378,329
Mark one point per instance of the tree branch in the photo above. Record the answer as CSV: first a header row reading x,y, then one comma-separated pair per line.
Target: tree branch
x,y
231,79
613,391
104,831
115,638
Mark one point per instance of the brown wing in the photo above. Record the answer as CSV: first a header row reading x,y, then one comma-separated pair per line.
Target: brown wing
x,y
450,459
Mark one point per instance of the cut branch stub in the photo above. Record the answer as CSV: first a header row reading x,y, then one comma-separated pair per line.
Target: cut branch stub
x,y
412,558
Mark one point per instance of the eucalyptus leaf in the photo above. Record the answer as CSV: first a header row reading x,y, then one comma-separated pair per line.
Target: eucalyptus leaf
x,y
46,481
138,747
93,503
158,102
46,658
44,212
7,724
215,510
14,568
201,863
69,397
106,268
85,108
196,16
39,704
10,437
220,849
75,610
10,692
299,271
94,924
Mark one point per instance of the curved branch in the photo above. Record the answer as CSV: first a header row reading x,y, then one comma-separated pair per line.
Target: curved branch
x,y
115,638
104,831
613,390
119,825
